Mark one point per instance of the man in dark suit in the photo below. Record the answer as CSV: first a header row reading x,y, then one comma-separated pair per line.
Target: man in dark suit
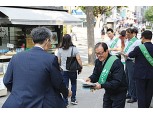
x,y
33,77
143,71
115,85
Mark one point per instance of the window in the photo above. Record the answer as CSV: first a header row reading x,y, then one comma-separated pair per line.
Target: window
x,y
4,39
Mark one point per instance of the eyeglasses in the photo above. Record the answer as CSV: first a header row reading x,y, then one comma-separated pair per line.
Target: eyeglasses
x,y
100,53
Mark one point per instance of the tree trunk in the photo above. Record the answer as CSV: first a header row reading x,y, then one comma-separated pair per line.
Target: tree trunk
x,y
69,27
90,34
98,21
103,21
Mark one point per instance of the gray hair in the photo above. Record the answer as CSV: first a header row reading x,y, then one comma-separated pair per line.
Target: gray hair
x,y
40,34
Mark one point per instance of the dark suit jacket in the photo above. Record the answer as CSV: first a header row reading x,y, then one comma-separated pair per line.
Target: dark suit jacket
x,y
34,79
116,80
143,69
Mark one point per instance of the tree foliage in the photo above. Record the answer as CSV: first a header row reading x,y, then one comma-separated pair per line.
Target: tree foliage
x,y
101,9
149,14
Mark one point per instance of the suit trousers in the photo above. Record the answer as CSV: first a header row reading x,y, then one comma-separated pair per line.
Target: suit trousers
x,y
114,100
144,89
129,70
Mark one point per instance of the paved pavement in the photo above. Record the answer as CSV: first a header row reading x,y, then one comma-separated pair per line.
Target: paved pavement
x,y
2,100
87,99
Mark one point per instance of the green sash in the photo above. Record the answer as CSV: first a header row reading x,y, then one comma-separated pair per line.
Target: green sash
x,y
114,43
146,54
106,69
130,43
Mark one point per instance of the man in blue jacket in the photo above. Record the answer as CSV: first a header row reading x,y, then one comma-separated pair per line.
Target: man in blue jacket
x,y
143,70
33,77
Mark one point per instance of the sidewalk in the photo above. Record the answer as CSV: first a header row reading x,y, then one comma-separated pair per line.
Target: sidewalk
x,y
85,98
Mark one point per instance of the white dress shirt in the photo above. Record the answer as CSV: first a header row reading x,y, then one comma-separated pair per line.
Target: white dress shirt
x,y
117,45
131,48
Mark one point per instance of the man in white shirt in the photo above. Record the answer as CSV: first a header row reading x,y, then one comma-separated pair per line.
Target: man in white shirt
x,y
114,43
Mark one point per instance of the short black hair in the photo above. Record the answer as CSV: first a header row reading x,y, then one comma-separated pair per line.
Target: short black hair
x,y
135,30
110,30
132,30
104,45
129,30
147,34
123,33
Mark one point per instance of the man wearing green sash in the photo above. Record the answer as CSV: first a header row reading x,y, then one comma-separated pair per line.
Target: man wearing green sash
x,y
109,74
130,44
114,43
143,70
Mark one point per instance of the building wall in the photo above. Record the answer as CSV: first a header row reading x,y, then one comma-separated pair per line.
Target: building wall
x,y
140,12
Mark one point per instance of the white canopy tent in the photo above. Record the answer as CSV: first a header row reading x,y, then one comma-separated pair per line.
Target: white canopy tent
x,y
39,17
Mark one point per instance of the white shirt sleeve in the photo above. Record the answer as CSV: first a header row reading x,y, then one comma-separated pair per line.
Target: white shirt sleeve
x,y
131,48
75,51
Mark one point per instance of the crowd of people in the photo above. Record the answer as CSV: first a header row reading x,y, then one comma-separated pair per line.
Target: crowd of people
x,y
36,78
138,67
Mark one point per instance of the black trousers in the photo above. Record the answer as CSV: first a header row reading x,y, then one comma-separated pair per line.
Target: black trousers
x,y
144,89
129,70
114,101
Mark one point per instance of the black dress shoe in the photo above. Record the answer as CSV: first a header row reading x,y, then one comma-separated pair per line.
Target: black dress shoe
x,y
131,101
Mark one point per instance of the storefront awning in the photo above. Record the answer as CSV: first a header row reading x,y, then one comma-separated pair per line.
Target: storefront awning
x,y
39,17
